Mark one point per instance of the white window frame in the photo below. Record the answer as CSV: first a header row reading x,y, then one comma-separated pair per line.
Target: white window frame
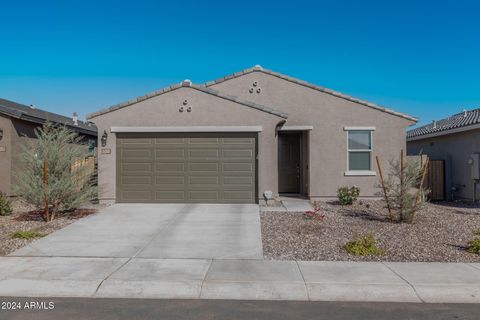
x,y
359,172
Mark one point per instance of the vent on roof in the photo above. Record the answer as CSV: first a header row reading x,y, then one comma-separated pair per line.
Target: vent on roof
x,y
434,124
464,113
75,118
187,83
32,106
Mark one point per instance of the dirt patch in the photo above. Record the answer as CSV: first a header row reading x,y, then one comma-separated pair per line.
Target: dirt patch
x,y
440,232
24,219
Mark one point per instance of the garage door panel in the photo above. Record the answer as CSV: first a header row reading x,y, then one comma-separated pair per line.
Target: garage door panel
x,y
237,140
172,142
136,153
170,195
135,142
203,141
203,167
137,180
238,195
136,167
169,167
203,195
168,181
170,153
237,153
237,181
238,167
136,195
188,167
203,154
203,180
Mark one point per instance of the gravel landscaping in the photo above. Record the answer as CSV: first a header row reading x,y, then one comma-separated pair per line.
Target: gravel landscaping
x,y
440,232
24,219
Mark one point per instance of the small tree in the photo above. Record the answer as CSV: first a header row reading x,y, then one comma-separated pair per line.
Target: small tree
x,y
403,188
58,148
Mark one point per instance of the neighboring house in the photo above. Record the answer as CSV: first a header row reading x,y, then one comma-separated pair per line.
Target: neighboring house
x,y
17,125
232,139
453,140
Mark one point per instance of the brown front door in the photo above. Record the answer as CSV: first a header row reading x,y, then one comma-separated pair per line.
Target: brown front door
x,y
289,162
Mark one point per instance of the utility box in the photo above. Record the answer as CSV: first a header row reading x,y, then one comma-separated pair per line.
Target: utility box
x,y
475,165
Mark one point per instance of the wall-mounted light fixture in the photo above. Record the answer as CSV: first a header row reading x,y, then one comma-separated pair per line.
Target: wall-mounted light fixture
x,y
1,133
104,138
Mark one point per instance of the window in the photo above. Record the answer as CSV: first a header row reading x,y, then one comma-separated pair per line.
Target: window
x,y
359,150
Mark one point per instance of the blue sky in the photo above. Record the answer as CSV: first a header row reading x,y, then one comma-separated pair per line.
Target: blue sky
x,y
417,57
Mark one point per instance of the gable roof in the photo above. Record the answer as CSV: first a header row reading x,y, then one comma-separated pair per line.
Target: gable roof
x,y
35,115
258,68
463,121
188,83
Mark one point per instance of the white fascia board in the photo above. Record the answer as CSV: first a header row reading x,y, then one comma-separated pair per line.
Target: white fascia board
x,y
187,129
359,128
296,128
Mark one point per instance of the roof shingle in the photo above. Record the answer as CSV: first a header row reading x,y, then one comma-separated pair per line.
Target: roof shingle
x,y
459,120
31,114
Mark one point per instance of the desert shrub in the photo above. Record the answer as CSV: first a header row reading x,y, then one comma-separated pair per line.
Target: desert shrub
x,y
347,195
363,246
29,234
401,187
5,205
474,245
67,187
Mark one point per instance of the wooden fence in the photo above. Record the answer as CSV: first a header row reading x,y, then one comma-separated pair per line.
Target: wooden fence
x,y
85,168
435,181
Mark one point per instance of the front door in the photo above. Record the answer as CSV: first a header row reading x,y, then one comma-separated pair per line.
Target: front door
x,y
289,161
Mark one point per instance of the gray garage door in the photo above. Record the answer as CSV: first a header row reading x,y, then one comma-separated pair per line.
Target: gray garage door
x,y
187,167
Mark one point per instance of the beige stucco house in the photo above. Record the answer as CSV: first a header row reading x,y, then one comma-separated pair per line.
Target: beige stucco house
x,y
17,125
232,139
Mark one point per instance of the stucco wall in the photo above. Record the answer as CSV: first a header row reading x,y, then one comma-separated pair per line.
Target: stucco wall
x,y
328,115
455,149
207,110
5,156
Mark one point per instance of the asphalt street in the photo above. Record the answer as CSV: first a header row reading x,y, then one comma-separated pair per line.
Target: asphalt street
x,y
105,309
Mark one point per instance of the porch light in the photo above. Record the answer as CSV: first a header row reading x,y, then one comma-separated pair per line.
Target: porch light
x,y
104,138
1,133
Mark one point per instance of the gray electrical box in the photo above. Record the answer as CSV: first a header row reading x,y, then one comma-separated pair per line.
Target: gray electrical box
x,y
475,165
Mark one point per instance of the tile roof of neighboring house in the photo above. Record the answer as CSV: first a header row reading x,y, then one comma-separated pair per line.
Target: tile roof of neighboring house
x,y
188,83
258,68
32,114
461,121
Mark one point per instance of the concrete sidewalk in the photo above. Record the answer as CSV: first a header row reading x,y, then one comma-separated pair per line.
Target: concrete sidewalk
x,y
239,279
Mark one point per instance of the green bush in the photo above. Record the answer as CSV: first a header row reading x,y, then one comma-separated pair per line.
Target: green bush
x,y
29,234
363,246
347,195
68,186
5,205
474,245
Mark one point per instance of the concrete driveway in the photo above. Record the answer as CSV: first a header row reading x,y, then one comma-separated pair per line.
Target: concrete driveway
x,y
207,231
